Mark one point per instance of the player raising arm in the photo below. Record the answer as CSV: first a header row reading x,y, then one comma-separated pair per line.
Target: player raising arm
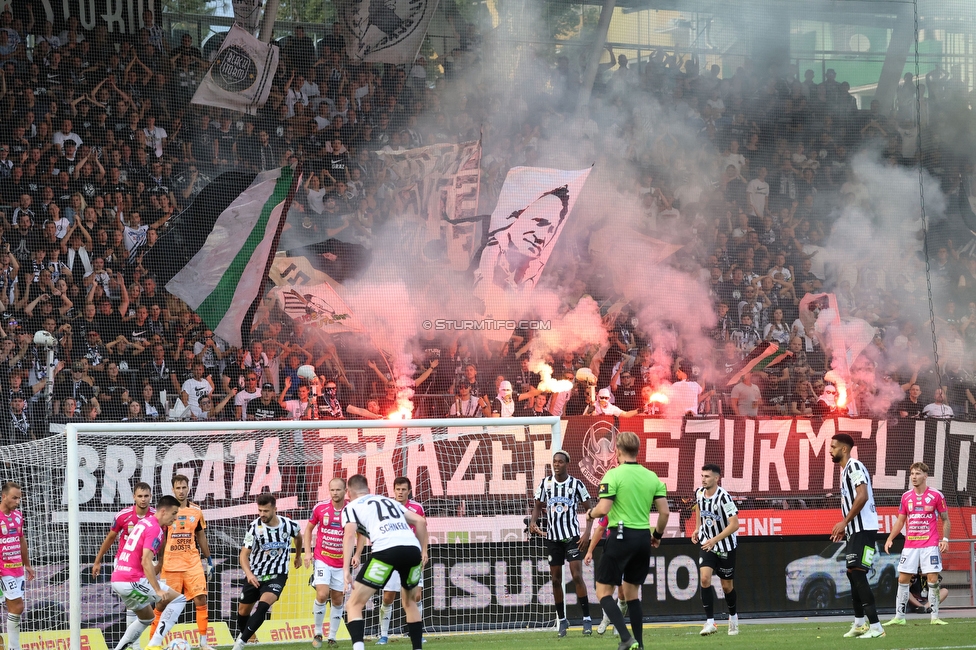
x,y
923,508
15,559
264,559
134,579
401,492
326,553
124,522
396,548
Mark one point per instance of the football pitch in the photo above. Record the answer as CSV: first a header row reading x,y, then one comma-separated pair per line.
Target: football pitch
x,y
918,634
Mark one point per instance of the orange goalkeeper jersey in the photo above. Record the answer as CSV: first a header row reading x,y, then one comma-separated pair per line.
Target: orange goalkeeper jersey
x,y
182,553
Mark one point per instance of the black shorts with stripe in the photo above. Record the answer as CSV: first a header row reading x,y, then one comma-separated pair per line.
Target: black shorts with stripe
x,y
274,584
405,560
628,558
560,551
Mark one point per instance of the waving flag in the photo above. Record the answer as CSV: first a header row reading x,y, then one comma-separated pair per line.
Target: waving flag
x,y
320,306
224,278
764,355
241,74
385,31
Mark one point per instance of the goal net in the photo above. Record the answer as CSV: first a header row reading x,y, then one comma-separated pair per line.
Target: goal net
x,y
474,481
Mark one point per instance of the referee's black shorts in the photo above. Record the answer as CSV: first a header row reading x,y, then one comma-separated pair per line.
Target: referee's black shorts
x,y
273,584
628,558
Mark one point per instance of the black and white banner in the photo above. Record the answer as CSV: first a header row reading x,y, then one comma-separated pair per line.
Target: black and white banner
x,y
385,31
240,76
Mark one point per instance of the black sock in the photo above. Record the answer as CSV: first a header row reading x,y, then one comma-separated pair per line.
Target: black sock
x,y
610,608
584,604
560,610
636,620
356,629
866,596
416,633
708,601
730,601
255,620
241,623
855,595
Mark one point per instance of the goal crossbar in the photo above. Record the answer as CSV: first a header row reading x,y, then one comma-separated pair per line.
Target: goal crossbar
x,y
73,429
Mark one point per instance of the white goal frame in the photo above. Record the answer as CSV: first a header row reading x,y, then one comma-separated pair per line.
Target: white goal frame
x,y
72,429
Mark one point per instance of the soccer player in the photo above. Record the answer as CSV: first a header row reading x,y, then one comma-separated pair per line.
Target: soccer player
x,y
327,576
122,525
182,568
134,579
860,526
716,520
397,548
627,494
15,559
401,492
922,507
559,494
264,558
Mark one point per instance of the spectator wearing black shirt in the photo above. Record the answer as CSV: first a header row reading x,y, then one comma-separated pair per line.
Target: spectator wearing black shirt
x,y
266,407
910,408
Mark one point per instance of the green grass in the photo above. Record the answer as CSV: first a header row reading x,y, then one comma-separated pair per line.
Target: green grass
x,y
960,633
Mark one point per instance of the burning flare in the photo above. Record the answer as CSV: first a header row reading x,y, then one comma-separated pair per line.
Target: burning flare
x,y
548,384
834,377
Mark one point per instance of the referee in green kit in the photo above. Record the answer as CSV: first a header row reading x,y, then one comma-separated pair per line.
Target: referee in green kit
x,y
627,493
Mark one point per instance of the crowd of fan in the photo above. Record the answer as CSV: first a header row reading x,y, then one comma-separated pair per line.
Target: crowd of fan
x,y
100,147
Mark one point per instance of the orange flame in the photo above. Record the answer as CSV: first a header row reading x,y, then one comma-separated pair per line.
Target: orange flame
x,y
838,381
547,383
660,398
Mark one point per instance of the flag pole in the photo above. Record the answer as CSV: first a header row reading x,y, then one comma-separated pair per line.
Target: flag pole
x,y
270,16
248,321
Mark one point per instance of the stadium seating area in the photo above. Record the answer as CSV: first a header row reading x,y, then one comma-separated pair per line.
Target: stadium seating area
x,y
750,171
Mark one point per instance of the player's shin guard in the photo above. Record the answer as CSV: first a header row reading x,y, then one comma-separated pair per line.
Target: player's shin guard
x,y
203,624
386,614
13,631
241,624
708,601
610,608
130,618
731,599
416,633
255,620
901,600
318,615
856,596
584,604
335,620
356,629
859,581
636,620
560,609
133,631
166,622
934,593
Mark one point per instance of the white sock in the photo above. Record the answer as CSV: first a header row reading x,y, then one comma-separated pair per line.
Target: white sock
x,y
734,618
710,621
859,621
420,608
587,618
318,613
166,622
130,617
335,620
133,631
359,645
13,631
386,614
877,626
901,600
934,594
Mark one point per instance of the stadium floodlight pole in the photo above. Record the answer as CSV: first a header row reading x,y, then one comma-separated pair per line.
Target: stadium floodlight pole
x,y
72,429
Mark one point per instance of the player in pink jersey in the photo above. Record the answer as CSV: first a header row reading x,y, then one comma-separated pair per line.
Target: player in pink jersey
x,y
134,578
401,492
326,554
124,522
922,507
14,559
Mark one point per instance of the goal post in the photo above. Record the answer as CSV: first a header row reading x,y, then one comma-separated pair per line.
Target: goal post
x,y
475,477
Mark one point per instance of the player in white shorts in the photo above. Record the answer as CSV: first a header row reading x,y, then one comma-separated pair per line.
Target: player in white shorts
x,y
923,508
326,557
15,565
401,492
134,579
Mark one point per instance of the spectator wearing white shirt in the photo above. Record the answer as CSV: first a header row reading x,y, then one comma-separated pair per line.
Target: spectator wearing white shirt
x,y
938,410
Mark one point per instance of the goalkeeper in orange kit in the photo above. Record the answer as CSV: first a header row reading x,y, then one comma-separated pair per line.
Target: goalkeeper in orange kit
x,y
184,571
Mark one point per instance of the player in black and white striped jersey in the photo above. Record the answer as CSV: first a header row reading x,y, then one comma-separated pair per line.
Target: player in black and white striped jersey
x,y
716,523
264,559
559,494
860,527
